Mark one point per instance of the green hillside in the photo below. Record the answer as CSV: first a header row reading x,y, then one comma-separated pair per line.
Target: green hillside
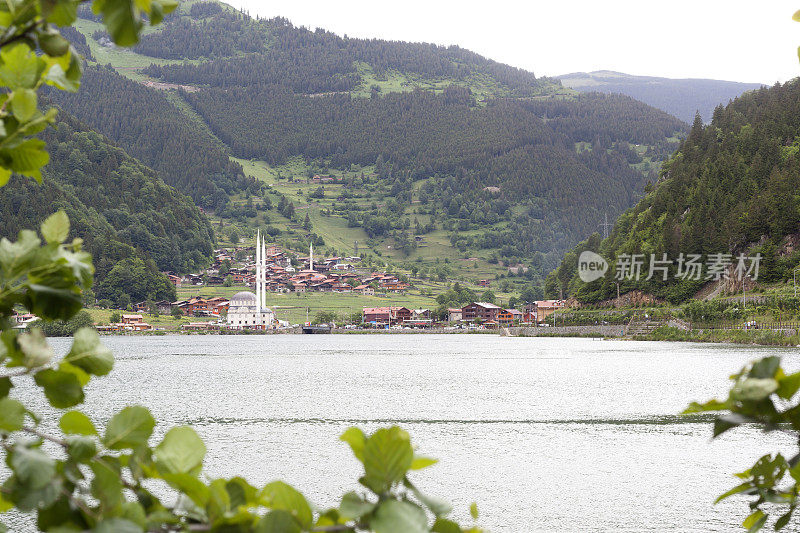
x,y
435,152
731,188
125,213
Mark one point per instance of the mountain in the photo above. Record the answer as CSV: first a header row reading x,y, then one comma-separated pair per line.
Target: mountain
x,y
122,210
415,153
730,189
681,98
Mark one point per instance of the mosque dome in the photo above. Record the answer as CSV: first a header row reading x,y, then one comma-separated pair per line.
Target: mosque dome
x,y
243,299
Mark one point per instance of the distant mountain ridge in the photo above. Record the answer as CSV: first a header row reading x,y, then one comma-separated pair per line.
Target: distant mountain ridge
x,y
681,98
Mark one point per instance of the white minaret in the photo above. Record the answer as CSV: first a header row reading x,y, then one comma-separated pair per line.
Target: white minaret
x,y
311,256
263,301
258,270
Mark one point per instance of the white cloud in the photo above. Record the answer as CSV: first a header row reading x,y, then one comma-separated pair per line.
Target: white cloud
x,y
730,39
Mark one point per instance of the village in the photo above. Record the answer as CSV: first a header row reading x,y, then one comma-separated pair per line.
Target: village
x,y
269,269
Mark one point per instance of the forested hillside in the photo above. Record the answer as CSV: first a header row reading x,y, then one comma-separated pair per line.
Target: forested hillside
x,y
144,123
680,98
132,222
427,146
309,62
731,188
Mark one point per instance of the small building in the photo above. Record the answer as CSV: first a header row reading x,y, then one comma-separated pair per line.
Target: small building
x,y
163,307
483,283
132,319
22,321
386,315
504,318
134,323
366,290
539,310
483,311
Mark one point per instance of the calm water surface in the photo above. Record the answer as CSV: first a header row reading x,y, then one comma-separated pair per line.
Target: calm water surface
x,y
545,434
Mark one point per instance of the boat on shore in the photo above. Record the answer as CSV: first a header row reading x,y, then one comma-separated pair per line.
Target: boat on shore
x,y
316,329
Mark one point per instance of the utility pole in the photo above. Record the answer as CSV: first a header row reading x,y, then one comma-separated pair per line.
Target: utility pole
x,y
606,225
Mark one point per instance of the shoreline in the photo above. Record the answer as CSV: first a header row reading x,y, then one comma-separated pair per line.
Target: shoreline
x,y
615,332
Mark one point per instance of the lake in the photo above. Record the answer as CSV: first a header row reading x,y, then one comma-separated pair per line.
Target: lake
x,y
545,434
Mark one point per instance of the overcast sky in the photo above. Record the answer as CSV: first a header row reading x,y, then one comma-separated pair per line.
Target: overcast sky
x,y
752,40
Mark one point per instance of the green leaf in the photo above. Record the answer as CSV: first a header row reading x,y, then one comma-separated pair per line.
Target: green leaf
x,y
473,510
755,521
437,506
354,506
122,24
48,301
134,512
5,505
788,385
18,67
62,389
442,525
754,389
219,502
12,414
356,439
27,157
735,490
5,175
765,368
189,485
60,12
130,428
55,228
89,354
280,496
83,377
711,405
796,16
783,521
395,516
278,522
117,525
181,451
80,448
241,492
53,44
5,386
36,351
33,467
24,104
387,457
106,484
420,462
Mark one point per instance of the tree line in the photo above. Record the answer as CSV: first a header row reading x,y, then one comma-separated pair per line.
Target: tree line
x,y
731,188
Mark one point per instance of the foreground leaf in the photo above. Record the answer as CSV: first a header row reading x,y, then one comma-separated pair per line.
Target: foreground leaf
x,y
130,428
181,451
395,516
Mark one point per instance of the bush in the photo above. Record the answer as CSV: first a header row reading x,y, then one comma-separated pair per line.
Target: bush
x,y
65,328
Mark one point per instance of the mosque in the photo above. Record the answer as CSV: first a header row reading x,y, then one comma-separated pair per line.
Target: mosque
x,y
247,310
